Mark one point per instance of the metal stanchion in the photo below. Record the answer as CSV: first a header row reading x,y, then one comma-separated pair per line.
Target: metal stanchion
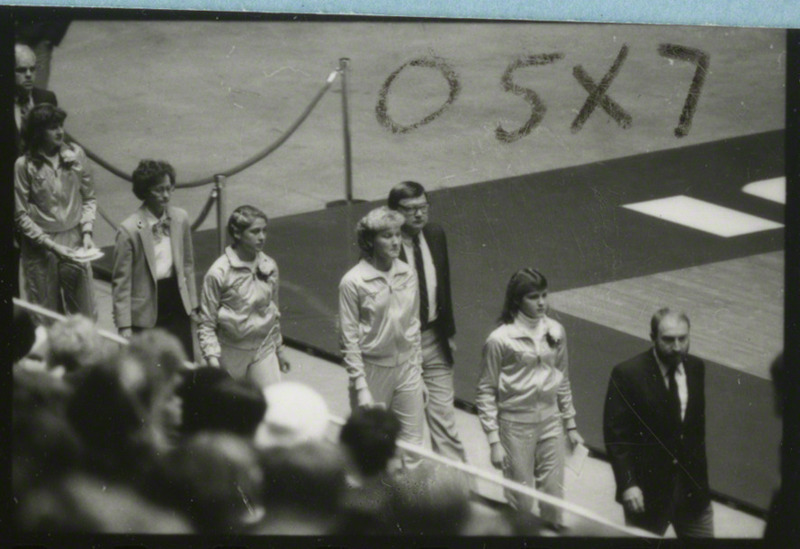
x,y
219,187
344,64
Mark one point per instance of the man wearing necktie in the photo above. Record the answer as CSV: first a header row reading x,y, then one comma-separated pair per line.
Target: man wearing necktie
x,y
26,95
654,430
425,248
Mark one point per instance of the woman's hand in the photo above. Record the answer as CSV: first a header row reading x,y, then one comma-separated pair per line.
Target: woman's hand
x,y
195,316
364,398
282,361
498,456
213,361
88,243
574,438
63,252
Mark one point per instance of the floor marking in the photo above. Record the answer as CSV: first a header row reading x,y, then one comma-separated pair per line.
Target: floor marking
x,y
703,216
770,189
736,307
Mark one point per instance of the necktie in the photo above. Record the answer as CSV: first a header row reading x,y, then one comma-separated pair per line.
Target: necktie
x,y
674,398
423,284
161,228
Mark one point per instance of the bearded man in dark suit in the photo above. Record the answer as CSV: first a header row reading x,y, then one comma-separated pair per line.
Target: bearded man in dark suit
x,y
425,248
654,429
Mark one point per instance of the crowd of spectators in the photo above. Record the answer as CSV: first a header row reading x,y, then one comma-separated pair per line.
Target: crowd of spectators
x,y
131,439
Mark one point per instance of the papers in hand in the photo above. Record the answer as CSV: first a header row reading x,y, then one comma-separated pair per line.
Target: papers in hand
x,y
87,254
576,458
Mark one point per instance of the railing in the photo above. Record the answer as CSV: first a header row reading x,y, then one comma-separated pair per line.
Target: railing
x,y
470,470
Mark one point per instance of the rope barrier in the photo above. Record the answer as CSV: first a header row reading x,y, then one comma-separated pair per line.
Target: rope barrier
x,y
106,218
423,452
235,169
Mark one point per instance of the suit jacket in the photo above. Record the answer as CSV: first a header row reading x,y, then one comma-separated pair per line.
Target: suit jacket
x,y
133,278
39,96
437,243
647,443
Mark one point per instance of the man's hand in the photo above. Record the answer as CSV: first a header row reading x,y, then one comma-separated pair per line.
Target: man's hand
x,y
452,343
283,361
126,332
498,456
633,499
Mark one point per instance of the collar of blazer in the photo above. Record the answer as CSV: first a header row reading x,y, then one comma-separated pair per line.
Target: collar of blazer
x,y
148,245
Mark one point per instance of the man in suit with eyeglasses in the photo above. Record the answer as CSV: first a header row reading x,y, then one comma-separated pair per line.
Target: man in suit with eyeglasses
x,y
425,248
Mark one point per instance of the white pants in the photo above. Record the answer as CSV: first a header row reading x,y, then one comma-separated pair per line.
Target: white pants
x,y
399,388
259,365
535,451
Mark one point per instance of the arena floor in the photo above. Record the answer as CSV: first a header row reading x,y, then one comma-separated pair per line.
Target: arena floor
x,y
622,213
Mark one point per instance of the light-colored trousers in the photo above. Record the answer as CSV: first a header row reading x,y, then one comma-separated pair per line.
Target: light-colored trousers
x,y
259,365
437,373
536,451
57,284
399,388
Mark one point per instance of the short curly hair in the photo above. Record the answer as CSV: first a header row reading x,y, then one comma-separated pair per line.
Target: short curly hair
x,y
42,117
242,218
150,173
374,222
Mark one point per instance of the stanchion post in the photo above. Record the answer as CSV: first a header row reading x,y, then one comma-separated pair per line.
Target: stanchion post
x,y
219,187
344,63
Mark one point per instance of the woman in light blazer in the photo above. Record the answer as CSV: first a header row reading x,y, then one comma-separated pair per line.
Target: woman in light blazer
x,y
153,282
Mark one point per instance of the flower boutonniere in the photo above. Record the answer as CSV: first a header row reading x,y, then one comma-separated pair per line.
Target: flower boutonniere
x,y
68,157
264,270
553,337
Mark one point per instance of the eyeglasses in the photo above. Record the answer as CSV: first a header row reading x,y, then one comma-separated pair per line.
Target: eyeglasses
x,y
422,208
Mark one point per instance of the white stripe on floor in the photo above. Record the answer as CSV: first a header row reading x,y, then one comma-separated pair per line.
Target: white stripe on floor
x,y
703,216
770,189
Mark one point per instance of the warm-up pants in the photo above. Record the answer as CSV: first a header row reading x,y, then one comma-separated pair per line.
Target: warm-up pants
x,y
259,365
57,284
399,388
536,452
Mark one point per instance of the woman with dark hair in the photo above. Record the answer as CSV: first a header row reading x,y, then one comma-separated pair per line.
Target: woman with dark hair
x,y
239,327
152,281
380,327
54,212
524,396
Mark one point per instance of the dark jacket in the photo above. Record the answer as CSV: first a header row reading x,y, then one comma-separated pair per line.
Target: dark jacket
x,y
647,444
445,324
